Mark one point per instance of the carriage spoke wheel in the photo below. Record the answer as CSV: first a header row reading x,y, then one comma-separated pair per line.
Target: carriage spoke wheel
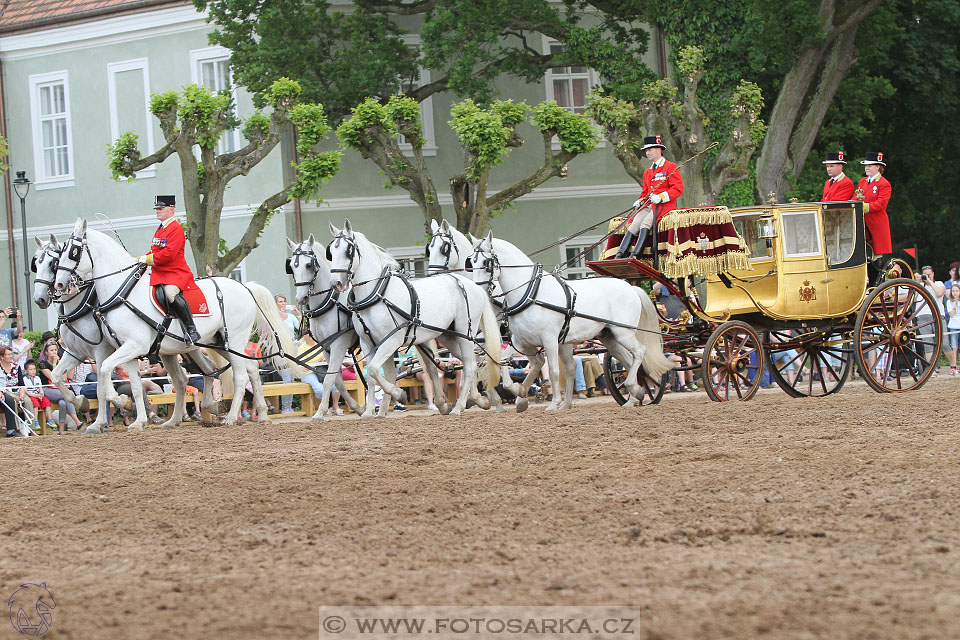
x,y
897,337
616,375
817,367
732,363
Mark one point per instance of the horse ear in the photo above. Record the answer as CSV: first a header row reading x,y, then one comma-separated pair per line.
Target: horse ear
x,y
489,237
347,227
311,240
53,240
445,226
291,244
83,226
433,225
333,230
39,242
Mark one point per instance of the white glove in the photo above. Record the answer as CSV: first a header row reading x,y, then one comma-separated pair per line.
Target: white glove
x,y
655,198
144,259
637,203
664,197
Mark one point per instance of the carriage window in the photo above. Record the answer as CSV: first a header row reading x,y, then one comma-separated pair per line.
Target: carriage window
x,y
748,229
839,233
801,237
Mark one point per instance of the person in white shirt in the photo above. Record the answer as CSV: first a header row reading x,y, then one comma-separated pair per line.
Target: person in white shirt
x,y
33,388
953,327
21,347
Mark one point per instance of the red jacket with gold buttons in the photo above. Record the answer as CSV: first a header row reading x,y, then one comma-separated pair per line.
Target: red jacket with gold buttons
x,y
877,195
839,191
168,261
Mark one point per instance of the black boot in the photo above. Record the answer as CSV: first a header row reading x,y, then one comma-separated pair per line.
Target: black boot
x,y
641,240
624,245
181,309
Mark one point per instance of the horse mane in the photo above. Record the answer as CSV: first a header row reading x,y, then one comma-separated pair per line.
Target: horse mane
x,y
380,252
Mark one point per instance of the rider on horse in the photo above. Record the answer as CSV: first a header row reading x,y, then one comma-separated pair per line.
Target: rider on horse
x,y
170,268
662,184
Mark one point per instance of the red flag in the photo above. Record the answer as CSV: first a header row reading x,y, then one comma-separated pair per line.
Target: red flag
x,y
912,251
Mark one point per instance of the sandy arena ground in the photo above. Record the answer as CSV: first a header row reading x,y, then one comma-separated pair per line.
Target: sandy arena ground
x,y
776,518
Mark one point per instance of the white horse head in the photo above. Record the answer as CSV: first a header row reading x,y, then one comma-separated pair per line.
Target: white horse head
x,y
44,265
448,249
351,254
75,260
309,267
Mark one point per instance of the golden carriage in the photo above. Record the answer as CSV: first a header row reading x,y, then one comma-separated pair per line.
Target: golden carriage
x,y
790,287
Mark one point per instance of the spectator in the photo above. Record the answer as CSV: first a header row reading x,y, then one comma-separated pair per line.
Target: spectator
x,y
11,388
953,327
50,358
408,362
291,321
954,278
7,335
939,293
308,344
45,339
33,388
21,348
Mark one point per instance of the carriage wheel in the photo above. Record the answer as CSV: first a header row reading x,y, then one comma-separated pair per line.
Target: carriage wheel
x,y
733,362
897,336
819,368
615,374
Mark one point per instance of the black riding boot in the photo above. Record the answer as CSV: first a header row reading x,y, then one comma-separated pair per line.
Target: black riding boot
x,y
181,309
641,240
625,245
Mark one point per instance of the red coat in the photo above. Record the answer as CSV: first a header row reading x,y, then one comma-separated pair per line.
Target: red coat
x,y
877,195
169,263
655,180
839,191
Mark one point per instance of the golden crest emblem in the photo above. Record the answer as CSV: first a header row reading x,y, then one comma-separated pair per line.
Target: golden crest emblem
x,y
807,293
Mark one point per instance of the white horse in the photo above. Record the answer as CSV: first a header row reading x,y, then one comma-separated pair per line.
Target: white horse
x,y
236,311
392,311
83,334
546,311
331,323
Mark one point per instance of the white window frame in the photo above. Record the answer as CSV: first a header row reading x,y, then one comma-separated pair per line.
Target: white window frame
x,y
215,54
426,109
579,244
593,79
242,268
818,232
113,69
35,83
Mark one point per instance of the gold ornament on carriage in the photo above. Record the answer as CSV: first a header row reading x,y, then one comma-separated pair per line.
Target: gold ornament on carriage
x,y
807,293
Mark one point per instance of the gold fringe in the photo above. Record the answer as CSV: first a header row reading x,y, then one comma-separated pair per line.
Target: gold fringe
x,y
705,265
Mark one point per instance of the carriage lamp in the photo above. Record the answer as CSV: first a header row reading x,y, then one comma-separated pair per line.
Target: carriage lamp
x,y
766,228
22,186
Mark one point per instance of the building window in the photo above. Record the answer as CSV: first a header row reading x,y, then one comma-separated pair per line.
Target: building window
x,y
412,259
426,107
240,272
569,86
52,137
129,108
210,68
577,269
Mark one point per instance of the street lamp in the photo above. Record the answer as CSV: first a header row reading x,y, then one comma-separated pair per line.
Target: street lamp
x,y
22,187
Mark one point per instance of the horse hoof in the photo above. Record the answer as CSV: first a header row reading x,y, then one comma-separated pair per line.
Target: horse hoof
x,y
170,425
445,409
501,409
125,402
484,404
522,404
456,411
92,429
135,427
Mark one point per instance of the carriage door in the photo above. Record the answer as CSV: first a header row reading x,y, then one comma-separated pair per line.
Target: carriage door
x,y
845,254
804,285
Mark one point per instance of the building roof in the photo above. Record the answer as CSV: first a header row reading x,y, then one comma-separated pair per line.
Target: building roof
x,y
24,15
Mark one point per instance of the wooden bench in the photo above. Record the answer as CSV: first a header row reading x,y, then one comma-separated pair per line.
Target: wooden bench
x,y
308,404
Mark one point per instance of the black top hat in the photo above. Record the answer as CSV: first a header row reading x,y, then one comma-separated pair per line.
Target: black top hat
x,y
873,158
165,201
652,141
834,157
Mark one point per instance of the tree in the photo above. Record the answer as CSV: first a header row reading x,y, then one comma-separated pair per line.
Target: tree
x,y
197,118
487,136
682,125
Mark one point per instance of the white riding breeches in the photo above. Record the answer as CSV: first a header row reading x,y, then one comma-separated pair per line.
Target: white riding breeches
x,y
643,220
170,291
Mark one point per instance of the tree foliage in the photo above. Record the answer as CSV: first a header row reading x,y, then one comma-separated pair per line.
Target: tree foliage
x,y
487,135
196,118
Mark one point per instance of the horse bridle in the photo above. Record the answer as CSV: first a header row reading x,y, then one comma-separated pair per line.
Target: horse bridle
x,y
55,255
351,252
294,261
448,242
74,248
488,264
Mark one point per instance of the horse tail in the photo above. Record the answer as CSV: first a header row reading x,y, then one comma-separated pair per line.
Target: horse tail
x,y
270,328
492,342
655,363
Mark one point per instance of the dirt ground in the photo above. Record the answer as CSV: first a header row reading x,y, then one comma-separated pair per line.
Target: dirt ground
x,y
777,518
